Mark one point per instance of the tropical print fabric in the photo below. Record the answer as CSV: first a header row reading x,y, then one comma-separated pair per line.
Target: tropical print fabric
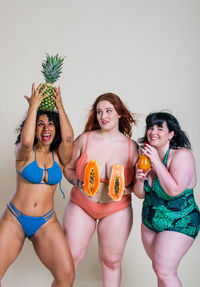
x,y
162,212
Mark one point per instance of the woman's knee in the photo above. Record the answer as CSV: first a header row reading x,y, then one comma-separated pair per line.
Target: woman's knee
x,y
77,254
69,276
163,271
112,262
65,278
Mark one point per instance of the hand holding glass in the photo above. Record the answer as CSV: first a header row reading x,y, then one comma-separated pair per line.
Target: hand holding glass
x,y
144,162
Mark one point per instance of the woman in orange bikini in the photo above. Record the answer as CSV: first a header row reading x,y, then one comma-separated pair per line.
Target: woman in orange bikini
x,y
106,139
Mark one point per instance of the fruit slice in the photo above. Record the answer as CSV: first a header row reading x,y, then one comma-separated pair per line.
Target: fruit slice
x,y
116,182
91,178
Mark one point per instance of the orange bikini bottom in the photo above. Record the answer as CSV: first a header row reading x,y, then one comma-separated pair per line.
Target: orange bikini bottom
x,y
98,210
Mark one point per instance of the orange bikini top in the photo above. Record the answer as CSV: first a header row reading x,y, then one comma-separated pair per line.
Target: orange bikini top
x,y
82,162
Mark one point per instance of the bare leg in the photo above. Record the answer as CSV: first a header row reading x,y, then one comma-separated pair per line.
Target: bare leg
x,y
78,228
148,237
113,232
12,239
51,247
168,248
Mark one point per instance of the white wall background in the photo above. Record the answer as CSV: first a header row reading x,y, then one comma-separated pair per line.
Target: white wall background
x,y
145,51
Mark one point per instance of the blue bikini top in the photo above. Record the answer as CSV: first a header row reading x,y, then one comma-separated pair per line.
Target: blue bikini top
x,y
34,174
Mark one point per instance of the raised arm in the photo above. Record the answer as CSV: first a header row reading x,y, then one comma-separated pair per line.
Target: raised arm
x,y
70,168
28,133
67,134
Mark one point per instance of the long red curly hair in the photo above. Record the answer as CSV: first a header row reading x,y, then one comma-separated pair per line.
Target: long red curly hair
x,y
126,120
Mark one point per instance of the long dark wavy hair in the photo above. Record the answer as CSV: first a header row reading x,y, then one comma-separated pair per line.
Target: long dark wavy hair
x,y
180,138
52,116
126,120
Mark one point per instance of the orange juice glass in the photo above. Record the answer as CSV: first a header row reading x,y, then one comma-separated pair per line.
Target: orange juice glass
x,y
144,162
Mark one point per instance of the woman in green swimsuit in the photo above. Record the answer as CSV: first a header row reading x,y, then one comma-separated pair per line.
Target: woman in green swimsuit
x,y
167,189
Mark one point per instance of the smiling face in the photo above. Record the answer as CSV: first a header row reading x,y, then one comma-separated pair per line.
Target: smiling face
x,y
159,136
45,130
107,116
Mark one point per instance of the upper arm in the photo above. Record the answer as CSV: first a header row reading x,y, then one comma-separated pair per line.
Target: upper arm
x,y
76,153
135,154
182,168
65,151
22,152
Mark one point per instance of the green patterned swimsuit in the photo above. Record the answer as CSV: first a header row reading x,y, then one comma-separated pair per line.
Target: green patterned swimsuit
x,y
163,212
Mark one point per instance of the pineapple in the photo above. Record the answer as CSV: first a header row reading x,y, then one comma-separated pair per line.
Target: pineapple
x,y
52,68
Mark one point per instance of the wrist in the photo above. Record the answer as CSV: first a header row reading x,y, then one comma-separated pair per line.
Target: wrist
x,y
79,183
60,105
156,164
33,107
76,182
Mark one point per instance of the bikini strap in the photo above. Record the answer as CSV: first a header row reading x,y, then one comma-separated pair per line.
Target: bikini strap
x,y
129,149
61,190
52,156
35,153
166,156
87,137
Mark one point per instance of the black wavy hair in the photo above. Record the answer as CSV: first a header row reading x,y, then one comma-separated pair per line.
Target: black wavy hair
x,y
180,138
52,116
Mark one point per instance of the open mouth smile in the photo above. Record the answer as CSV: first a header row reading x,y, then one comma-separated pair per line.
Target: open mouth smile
x,y
46,137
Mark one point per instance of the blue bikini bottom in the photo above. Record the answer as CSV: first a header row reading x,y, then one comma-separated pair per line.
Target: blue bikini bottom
x,y
30,224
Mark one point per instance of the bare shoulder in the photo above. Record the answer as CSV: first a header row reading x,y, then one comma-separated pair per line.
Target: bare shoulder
x,y
134,145
81,139
182,153
80,142
182,156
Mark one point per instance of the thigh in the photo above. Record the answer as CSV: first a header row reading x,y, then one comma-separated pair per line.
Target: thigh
x,y
78,227
148,237
11,238
52,248
113,232
169,248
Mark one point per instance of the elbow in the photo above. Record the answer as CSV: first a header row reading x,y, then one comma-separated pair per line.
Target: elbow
x,y
140,196
68,139
70,135
65,173
175,192
66,160
26,144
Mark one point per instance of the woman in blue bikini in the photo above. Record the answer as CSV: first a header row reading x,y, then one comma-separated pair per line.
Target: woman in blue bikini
x,y
170,216
43,147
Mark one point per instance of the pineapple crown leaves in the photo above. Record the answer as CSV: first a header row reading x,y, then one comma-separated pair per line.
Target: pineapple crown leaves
x,y
52,68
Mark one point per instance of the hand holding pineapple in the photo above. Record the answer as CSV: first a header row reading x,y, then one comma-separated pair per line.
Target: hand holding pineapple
x,y
57,97
36,96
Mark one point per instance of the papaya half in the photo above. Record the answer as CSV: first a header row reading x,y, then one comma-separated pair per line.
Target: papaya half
x,y
116,182
91,178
